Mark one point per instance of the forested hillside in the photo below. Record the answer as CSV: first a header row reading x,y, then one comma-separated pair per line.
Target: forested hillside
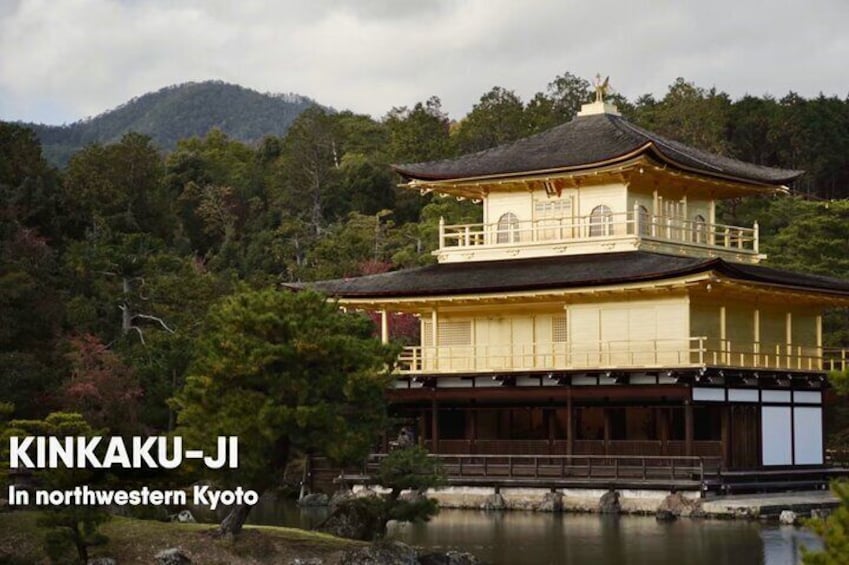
x,y
110,264
178,112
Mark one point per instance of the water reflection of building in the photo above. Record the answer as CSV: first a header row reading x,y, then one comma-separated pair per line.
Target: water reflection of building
x,y
600,309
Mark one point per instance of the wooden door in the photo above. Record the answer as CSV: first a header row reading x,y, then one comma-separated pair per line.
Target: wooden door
x,y
744,437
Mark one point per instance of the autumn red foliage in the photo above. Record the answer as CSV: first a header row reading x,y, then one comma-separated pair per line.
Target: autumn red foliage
x,y
101,386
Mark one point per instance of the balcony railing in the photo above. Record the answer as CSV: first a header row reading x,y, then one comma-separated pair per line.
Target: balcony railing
x,y
599,228
659,353
836,359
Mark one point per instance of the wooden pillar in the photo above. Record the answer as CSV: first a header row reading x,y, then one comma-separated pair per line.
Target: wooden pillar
x,y
663,429
725,435
789,328
606,430
473,423
688,428
819,344
549,415
434,425
723,335
655,213
384,326
434,337
757,335
712,222
422,427
570,423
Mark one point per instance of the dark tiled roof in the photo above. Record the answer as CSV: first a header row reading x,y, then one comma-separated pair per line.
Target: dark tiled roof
x,y
585,141
555,272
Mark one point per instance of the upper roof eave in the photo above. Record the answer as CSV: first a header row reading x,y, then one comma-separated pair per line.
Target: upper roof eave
x,y
609,139
631,158
588,271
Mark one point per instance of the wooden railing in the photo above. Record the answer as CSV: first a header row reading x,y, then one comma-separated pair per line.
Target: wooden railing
x,y
657,448
480,468
593,228
686,352
835,359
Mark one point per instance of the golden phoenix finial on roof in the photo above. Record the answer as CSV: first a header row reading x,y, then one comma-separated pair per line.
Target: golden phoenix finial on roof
x,y
602,88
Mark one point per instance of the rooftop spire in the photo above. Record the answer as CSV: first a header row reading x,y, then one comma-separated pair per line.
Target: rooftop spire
x,y
600,106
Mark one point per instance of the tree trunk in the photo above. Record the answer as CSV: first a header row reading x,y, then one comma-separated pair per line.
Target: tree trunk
x,y
235,519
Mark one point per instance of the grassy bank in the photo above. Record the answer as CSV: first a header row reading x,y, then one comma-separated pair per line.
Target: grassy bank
x,y
137,541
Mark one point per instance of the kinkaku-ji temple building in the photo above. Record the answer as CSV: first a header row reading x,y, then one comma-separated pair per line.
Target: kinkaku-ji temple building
x,y
601,310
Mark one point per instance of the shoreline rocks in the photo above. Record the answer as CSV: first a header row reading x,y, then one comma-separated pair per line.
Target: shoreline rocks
x,y
609,503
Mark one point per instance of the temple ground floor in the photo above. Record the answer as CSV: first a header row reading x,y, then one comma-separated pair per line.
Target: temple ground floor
x,y
735,428
707,432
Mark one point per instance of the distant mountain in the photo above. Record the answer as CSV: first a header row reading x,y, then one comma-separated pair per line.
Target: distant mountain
x,y
177,112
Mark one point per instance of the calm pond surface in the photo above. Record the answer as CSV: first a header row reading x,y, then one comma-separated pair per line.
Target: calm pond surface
x,y
536,538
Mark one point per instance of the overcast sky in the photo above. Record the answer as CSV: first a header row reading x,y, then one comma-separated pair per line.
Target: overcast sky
x,y
61,60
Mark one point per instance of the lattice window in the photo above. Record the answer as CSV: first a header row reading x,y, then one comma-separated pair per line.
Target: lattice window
x,y
450,333
549,215
508,228
552,208
601,221
644,220
699,229
560,329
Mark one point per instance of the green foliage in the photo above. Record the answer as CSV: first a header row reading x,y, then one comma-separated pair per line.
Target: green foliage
x,y
497,118
31,309
179,112
834,531
118,188
688,113
72,533
840,381
813,237
286,373
418,134
71,528
409,468
561,102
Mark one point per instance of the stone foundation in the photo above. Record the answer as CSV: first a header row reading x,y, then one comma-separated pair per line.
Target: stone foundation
x,y
573,500
631,501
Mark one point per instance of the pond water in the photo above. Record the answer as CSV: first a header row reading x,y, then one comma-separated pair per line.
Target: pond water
x,y
536,538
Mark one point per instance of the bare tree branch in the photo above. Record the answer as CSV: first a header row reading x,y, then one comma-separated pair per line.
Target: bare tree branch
x,y
141,334
155,319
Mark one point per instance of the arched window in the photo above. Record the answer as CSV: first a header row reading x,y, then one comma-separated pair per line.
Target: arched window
x,y
601,221
508,228
699,229
644,220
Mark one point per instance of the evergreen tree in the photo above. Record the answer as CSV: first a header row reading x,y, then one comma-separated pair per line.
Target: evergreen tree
x,y
287,373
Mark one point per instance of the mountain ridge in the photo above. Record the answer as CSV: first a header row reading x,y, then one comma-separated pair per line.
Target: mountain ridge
x,y
176,112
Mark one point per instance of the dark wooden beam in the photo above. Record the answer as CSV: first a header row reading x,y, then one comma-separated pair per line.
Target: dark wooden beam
x,y
434,424
688,428
545,395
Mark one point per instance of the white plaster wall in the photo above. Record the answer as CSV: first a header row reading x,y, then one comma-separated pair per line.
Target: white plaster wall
x,y
499,203
614,196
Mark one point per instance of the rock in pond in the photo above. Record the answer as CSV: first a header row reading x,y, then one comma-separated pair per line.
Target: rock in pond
x,y
391,553
609,503
788,518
